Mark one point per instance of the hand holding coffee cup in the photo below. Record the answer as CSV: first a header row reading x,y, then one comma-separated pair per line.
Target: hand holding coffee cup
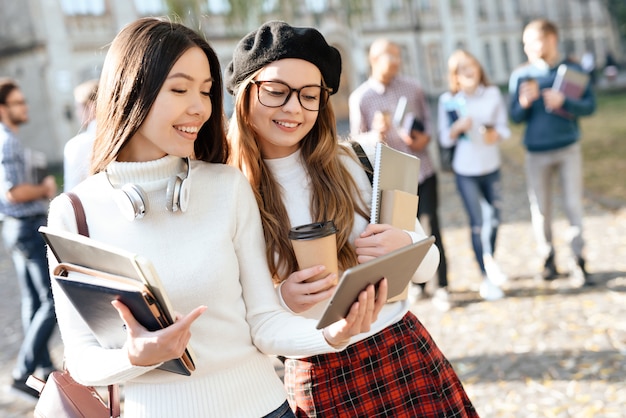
x,y
316,244
490,135
381,123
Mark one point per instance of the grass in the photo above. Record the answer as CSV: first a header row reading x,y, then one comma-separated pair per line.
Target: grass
x,y
603,143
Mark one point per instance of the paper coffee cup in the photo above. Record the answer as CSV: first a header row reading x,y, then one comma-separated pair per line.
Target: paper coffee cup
x,y
316,244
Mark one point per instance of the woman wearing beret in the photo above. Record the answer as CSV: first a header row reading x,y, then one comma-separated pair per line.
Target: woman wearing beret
x,y
283,138
159,102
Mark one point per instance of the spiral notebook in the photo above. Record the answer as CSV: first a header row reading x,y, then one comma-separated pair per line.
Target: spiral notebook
x,y
393,170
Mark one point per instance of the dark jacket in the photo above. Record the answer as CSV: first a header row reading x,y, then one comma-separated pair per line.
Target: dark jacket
x,y
546,131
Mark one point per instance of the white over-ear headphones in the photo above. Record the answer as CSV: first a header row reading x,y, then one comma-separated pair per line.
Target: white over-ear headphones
x,y
177,195
132,200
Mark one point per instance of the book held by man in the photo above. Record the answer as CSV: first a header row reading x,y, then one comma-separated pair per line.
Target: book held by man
x,y
92,274
571,83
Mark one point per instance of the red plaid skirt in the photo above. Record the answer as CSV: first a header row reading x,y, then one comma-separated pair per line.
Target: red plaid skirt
x,y
399,372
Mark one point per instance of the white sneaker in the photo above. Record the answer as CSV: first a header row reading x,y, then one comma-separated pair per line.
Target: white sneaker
x,y
490,291
441,299
493,271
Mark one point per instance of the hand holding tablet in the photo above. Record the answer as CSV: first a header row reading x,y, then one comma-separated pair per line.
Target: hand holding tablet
x,y
397,266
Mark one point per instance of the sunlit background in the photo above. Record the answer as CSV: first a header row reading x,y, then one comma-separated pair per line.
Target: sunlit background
x,y
50,46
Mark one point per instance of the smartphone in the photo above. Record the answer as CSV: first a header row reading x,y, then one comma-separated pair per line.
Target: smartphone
x,y
453,116
417,125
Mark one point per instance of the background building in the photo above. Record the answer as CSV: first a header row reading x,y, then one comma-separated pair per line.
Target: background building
x,y
50,46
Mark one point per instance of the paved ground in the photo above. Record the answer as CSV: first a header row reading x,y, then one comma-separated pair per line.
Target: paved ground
x,y
546,350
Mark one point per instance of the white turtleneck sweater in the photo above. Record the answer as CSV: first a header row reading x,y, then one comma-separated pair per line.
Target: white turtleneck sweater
x,y
291,174
213,255
474,157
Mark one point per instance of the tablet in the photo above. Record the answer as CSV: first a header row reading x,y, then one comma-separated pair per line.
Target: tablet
x,y
397,266
84,251
76,250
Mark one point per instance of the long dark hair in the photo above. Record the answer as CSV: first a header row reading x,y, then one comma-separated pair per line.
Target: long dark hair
x,y
136,66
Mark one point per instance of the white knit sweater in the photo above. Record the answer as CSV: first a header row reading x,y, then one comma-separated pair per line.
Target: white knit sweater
x,y
290,173
486,106
213,255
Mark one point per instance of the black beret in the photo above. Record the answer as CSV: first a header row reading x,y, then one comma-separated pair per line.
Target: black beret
x,y
277,40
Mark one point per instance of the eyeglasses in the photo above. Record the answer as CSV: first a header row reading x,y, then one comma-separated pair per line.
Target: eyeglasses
x,y
389,57
16,103
277,94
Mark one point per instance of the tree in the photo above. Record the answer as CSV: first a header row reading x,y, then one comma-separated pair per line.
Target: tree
x,y
248,11
187,11
617,11
16,28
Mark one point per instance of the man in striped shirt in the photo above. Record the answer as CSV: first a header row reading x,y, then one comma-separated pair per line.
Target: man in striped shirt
x,y
392,108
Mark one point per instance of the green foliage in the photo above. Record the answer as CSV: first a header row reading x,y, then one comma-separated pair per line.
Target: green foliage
x,y
603,147
181,8
242,11
617,10
355,7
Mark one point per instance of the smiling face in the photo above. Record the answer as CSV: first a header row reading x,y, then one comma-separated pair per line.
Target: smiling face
x,y
182,106
468,74
540,46
385,60
279,130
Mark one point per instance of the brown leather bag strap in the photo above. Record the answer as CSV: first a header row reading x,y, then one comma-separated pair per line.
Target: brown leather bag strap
x,y
114,401
79,212
365,162
83,229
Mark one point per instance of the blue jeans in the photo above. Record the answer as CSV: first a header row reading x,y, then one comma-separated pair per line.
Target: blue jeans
x,y
28,251
284,411
482,198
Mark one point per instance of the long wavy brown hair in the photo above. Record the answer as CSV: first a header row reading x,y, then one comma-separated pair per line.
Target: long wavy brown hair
x,y
335,195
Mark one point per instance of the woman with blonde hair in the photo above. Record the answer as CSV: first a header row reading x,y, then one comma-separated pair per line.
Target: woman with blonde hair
x,y
472,117
284,139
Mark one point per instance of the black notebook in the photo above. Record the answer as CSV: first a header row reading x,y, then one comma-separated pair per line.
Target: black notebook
x,y
92,274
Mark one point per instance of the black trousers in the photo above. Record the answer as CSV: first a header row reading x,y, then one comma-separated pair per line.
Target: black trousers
x,y
427,212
